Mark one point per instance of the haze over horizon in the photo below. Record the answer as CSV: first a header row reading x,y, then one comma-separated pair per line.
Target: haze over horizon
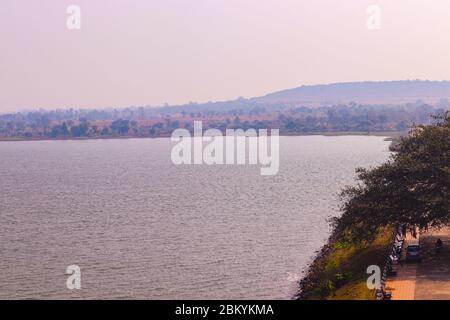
x,y
149,53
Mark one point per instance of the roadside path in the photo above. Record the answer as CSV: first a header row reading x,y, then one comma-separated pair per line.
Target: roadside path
x,y
429,279
433,273
403,286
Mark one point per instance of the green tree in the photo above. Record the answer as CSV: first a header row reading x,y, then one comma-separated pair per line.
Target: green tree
x,y
411,189
120,126
64,129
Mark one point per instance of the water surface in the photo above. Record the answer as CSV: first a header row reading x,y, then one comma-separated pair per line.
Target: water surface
x,y
141,227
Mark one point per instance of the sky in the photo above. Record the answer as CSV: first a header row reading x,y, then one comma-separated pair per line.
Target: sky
x,y
151,52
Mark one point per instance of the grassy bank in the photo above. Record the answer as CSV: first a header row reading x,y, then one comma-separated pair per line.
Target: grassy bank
x,y
339,270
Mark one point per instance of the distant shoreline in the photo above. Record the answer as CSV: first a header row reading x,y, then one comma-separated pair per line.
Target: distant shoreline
x,y
388,134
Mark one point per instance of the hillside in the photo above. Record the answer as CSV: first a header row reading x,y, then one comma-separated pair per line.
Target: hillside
x,y
384,92
363,107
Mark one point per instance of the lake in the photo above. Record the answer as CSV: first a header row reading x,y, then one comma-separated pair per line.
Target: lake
x,y
141,227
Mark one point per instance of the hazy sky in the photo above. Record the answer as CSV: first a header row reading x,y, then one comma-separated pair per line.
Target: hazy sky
x,y
148,52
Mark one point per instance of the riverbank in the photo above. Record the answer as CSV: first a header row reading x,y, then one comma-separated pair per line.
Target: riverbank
x,y
390,135
339,270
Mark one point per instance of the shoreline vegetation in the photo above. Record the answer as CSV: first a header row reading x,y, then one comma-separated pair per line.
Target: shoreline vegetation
x,y
290,117
338,271
389,136
411,189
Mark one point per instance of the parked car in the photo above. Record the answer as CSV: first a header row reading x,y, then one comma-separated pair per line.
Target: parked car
x,y
413,251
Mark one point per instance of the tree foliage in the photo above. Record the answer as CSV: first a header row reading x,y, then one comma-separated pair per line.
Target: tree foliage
x,y
411,189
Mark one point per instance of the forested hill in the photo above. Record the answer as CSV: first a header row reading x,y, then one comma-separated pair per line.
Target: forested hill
x,y
384,92
301,110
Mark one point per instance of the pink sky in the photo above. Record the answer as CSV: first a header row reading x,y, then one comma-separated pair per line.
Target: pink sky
x,y
133,52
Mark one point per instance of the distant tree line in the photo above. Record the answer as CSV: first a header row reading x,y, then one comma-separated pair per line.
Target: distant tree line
x,y
153,122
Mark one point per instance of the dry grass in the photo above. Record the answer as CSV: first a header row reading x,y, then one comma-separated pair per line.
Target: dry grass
x,y
343,273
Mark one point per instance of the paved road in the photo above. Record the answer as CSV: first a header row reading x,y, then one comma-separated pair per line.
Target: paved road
x,y
433,273
429,279
403,286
